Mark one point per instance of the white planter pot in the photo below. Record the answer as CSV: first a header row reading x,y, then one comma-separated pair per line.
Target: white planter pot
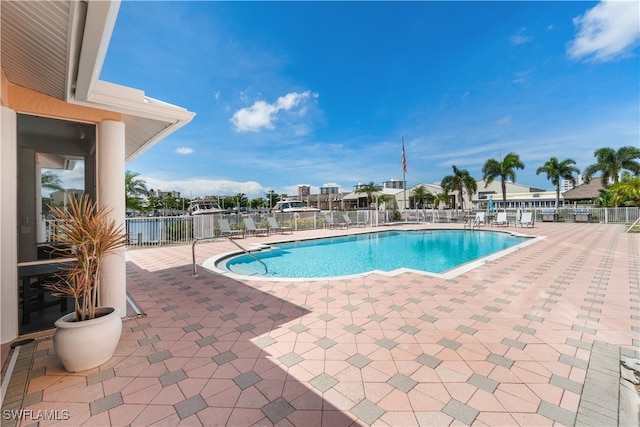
x,y
90,343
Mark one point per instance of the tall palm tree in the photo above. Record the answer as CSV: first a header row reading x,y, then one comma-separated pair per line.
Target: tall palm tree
x,y
419,195
133,187
557,170
51,181
505,170
459,181
611,163
370,189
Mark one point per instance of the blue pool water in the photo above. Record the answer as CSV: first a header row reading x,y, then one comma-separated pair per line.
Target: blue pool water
x,y
434,251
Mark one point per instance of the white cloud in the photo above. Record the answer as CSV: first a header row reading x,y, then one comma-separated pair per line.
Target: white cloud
x,y
261,115
606,32
184,150
504,121
254,118
206,187
520,38
521,77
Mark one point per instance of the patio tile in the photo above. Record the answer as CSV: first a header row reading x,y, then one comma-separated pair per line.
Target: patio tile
x,y
402,382
172,377
461,411
367,411
225,357
106,403
277,410
323,382
191,406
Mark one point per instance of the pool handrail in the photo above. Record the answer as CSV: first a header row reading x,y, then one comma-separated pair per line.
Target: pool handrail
x,y
193,252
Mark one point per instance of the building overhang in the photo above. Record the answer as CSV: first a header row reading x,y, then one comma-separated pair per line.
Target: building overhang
x,y
58,48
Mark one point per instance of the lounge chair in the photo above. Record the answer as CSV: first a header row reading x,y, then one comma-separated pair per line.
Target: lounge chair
x,y
250,227
526,219
273,225
226,230
330,223
501,219
349,223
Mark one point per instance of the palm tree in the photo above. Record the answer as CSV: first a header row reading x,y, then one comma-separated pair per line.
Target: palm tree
x,y
611,163
459,181
505,170
626,192
431,199
133,187
51,181
370,189
557,170
419,195
385,199
241,200
272,197
442,198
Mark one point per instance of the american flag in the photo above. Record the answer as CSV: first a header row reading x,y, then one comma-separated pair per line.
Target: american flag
x,y
404,159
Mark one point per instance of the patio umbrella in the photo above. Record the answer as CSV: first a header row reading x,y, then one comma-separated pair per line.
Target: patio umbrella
x,y
491,208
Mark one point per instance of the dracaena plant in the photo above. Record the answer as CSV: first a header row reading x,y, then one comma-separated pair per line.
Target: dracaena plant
x,y
89,233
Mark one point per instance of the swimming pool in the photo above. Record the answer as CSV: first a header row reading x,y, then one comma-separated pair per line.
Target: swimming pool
x,y
430,251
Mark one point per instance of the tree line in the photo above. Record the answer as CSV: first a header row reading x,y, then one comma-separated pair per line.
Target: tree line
x,y
619,169
619,172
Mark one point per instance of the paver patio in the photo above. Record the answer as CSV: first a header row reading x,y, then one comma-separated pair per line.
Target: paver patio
x,y
508,343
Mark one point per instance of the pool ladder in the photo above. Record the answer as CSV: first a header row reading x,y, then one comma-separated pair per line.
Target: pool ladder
x,y
471,223
193,252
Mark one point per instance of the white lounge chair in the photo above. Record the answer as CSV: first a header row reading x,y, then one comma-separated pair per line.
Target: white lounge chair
x,y
501,219
250,227
349,223
330,223
273,225
226,230
526,219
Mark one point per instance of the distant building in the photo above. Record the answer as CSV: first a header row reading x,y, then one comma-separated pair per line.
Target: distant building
x,y
329,190
303,191
162,194
60,197
393,183
566,184
518,196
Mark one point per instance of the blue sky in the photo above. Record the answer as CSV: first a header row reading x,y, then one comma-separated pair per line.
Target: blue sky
x,y
289,93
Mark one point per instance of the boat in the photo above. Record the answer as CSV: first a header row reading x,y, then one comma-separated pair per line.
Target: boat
x,y
204,207
292,206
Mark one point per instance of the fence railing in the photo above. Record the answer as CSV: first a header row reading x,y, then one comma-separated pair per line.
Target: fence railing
x,y
176,230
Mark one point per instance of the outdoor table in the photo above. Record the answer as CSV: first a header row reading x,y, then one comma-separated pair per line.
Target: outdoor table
x,y
31,278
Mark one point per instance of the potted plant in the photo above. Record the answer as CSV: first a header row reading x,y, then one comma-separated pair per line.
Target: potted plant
x,y
87,337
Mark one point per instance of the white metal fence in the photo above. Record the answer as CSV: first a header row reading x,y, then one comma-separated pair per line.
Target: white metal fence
x,y
173,230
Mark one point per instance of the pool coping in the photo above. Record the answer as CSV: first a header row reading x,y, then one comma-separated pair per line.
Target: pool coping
x,y
211,263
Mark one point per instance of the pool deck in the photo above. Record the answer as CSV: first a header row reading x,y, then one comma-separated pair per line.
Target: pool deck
x,y
533,338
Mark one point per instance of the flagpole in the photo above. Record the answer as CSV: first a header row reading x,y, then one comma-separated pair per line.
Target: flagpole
x,y
404,174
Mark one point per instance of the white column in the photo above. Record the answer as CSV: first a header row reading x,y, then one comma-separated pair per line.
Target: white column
x,y
8,225
110,170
